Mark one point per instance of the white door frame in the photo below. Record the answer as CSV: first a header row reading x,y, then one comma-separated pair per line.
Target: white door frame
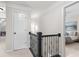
x,y
67,5
23,8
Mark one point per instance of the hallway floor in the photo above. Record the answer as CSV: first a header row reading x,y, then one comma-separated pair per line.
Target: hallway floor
x,y
16,53
72,50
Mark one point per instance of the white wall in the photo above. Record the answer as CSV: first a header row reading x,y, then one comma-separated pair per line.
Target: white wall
x,y
52,22
35,22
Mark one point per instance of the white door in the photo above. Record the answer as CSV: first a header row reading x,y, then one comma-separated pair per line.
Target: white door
x,y
19,29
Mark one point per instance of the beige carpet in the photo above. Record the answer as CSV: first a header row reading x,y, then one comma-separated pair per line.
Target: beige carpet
x,y
72,50
17,53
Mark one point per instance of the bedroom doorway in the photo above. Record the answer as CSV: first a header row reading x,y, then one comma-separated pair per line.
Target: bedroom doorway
x,y
71,32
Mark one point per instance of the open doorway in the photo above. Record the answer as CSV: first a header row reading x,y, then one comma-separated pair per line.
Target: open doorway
x,y
2,33
72,30
2,27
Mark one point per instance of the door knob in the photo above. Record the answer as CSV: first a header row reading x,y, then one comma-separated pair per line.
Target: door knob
x,y
14,32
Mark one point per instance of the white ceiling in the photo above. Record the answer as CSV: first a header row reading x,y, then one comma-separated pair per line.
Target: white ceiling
x,y
35,5
41,5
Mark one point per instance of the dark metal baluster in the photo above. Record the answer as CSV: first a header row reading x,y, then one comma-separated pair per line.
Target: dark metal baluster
x,y
55,45
58,44
45,47
42,46
51,46
48,46
39,44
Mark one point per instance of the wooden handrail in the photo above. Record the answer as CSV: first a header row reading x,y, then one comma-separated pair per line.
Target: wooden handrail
x,y
32,34
52,35
59,35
